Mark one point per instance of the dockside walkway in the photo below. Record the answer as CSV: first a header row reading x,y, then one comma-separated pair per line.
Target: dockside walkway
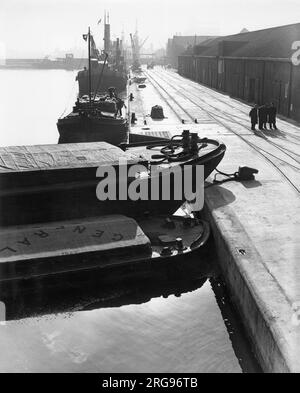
x,y
255,223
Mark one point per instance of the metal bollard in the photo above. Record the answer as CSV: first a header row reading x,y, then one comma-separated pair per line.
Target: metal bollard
x,y
133,118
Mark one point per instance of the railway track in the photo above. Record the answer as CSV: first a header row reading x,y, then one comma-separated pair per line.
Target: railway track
x,y
230,117
161,83
217,95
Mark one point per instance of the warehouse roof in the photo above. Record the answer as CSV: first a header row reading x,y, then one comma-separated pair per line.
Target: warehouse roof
x,y
274,42
190,40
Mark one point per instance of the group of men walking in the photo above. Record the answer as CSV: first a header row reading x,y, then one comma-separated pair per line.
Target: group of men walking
x,y
262,115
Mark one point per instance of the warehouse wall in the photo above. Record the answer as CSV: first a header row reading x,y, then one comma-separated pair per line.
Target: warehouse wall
x,y
253,80
295,95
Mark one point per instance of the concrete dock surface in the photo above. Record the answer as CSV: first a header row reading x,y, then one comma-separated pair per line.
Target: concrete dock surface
x,y
255,223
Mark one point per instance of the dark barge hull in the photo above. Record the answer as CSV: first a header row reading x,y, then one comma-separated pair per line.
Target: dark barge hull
x,y
76,128
69,191
45,269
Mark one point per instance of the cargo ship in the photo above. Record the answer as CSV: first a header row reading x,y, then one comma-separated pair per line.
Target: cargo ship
x,y
107,69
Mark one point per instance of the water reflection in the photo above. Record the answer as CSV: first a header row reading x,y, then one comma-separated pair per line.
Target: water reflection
x,y
42,302
143,327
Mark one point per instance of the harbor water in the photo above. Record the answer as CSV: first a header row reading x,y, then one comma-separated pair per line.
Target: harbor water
x,y
31,103
183,327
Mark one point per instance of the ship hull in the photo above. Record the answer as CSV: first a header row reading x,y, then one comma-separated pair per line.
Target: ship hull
x,y
52,195
76,128
105,262
108,79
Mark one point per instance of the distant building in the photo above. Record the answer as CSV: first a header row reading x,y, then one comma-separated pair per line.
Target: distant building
x,y
178,44
253,66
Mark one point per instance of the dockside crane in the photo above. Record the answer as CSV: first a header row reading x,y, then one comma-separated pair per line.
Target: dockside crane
x,y
136,50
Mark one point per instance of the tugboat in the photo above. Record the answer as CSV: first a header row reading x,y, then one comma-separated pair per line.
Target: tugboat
x,y
95,116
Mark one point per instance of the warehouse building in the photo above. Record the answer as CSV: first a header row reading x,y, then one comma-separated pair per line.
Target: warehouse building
x,y
254,66
178,44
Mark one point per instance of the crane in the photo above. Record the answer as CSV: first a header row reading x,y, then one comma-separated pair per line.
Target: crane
x,y
136,49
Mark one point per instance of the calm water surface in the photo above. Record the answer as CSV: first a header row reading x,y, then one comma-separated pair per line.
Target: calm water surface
x,y
139,331
31,101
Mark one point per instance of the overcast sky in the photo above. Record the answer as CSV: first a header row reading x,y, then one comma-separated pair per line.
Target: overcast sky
x,y
36,28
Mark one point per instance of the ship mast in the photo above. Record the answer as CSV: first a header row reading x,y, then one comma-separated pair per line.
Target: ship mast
x,y
106,33
90,69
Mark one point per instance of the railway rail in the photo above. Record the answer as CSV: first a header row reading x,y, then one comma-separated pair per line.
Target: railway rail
x,y
165,86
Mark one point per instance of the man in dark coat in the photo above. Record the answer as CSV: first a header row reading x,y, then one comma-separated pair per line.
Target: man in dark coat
x,y
112,92
272,112
120,104
254,117
262,117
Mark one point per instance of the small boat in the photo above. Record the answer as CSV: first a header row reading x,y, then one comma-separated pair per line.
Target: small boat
x,y
91,120
107,249
150,65
139,79
68,181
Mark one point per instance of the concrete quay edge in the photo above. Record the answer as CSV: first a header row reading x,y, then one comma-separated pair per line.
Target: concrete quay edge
x,y
265,310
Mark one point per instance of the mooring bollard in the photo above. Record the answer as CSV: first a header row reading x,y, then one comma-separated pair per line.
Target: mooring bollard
x,y
2,313
133,118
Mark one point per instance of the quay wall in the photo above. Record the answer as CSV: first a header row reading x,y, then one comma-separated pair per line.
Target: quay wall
x,y
262,303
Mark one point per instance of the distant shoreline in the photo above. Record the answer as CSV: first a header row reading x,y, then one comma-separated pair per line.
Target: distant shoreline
x,y
67,63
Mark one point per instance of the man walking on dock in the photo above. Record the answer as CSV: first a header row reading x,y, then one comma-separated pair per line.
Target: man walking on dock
x,y
120,103
272,112
254,117
262,117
